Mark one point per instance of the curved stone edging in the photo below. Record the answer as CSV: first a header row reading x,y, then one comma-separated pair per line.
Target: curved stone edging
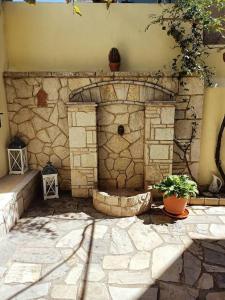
x,y
117,205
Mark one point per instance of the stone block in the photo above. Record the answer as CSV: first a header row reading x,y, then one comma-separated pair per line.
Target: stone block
x,y
105,208
121,91
183,129
191,86
89,160
23,90
197,103
222,202
133,93
76,160
78,178
108,93
153,174
179,114
20,207
167,115
51,87
135,182
195,150
115,211
112,200
77,137
86,119
197,201
76,83
23,115
164,134
211,201
79,192
89,137
159,152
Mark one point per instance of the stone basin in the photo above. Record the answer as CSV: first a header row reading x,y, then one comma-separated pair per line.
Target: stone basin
x,y
122,203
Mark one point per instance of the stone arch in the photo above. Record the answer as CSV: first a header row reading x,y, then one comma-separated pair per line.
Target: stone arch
x,y
114,90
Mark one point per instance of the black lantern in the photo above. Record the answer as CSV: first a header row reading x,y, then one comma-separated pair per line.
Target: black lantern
x,y
50,181
17,156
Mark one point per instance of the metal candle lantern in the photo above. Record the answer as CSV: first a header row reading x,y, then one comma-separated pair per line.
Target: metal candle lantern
x,y
17,156
50,181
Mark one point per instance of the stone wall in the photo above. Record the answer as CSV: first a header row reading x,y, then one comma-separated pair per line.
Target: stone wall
x,y
121,158
159,135
83,148
45,127
188,100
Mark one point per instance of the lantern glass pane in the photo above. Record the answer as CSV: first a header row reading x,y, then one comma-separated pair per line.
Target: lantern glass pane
x,y
15,160
50,186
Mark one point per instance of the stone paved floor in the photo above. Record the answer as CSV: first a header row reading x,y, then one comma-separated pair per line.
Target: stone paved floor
x,y
64,249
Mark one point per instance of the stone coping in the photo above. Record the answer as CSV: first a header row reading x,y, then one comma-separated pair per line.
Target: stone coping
x,y
15,183
81,104
207,201
203,201
14,74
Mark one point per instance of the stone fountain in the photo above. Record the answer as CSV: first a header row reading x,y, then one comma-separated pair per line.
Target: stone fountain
x,y
124,130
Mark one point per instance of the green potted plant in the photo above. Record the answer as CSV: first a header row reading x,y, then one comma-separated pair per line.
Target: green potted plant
x,y
176,190
114,60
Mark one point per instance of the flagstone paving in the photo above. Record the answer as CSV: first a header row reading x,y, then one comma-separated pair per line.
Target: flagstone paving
x,y
64,249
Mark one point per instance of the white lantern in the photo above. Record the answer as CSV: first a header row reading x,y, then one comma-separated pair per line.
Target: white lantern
x,y
50,181
17,156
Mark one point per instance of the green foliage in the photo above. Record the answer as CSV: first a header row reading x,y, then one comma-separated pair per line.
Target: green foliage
x,y
179,185
185,22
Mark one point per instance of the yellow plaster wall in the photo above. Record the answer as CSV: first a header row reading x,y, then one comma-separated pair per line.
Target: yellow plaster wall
x,y
4,130
214,111
48,37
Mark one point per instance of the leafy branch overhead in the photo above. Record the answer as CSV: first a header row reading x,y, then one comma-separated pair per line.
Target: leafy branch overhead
x,y
185,22
76,9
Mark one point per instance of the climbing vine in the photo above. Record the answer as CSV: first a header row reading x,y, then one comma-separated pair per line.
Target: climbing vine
x,y
185,21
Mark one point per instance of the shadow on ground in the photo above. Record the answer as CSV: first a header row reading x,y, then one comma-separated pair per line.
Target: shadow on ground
x,y
193,270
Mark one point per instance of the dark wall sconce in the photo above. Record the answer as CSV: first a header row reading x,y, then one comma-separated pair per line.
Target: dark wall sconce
x,y
1,120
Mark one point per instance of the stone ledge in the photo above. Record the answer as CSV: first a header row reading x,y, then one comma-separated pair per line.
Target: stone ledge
x,y
131,74
11,74
203,201
17,191
207,201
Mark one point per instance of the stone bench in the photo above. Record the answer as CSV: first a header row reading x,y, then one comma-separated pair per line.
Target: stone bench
x,y
16,193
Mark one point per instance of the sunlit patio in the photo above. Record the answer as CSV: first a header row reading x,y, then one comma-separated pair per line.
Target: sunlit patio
x,y
65,249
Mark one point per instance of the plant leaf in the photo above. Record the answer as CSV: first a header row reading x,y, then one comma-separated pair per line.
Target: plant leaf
x,y
76,10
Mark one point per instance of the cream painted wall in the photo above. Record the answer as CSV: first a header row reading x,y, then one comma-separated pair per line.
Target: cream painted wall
x,y
48,37
214,111
4,130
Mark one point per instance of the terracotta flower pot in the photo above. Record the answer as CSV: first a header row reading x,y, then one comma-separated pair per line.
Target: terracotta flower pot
x,y
114,67
175,205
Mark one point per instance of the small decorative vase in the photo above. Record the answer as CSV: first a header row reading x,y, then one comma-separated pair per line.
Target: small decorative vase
x,y
114,60
174,205
114,67
215,185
